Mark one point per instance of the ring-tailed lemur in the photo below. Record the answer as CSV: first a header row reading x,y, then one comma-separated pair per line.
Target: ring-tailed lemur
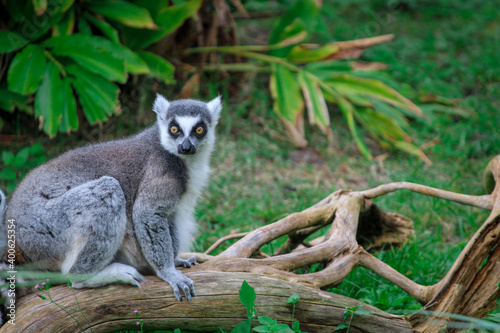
x,y
122,208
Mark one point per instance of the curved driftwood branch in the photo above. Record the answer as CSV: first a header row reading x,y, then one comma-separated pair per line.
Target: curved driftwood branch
x,y
355,224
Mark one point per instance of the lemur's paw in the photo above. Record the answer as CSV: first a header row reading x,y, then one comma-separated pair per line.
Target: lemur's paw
x,y
128,275
179,282
186,263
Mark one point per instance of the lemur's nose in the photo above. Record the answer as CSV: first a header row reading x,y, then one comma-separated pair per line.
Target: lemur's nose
x,y
186,148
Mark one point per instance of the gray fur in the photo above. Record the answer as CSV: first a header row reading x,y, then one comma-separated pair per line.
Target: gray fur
x,y
118,208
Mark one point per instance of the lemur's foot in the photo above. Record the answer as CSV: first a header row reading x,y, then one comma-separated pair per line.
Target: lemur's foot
x,y
178,282
114,273
186,263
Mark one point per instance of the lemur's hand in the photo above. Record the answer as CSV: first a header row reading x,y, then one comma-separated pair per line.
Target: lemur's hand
x,y
179,282
185,263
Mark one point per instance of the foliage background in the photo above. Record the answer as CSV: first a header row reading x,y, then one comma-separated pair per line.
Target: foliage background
x,y
447,48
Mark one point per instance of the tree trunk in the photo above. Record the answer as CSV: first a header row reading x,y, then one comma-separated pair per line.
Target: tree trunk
x,y
470,288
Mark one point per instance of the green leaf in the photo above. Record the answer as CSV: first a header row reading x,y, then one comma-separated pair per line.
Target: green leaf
x,y
247,295
304,53
348,111
243,327
15,8
341,327
88,52
283,328
26,70
267,321
8,173
21,157
296,326
7,157
329,68
349,84
69,116
106,28
49,101
293,299
262,329
286,94
315,103
84,27
40,6
66,25
124,12
11,41
381,125
98,96
37,150
158,66
10,99
168,19
288,103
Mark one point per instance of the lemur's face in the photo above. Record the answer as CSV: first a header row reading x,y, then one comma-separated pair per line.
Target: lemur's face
x,y
186,125
187,133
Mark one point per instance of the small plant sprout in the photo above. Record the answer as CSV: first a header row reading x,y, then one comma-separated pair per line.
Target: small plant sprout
x,y
295,323
139,321
349,313
44,293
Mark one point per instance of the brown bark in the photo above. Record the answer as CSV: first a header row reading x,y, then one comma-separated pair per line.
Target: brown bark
x,y
469,288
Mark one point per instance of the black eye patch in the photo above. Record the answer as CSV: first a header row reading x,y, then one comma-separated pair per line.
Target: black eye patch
x,y
199,130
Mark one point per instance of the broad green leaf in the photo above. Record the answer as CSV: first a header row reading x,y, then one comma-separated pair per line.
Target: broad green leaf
x,y
293,299
348,111
11,41
34,26
66,25
40,6
106,28
167,18
262,329
8,157
288,103
88,52
84,27
286,94
247,295
98,96
26,70
326,69
341,327
243,327
315,103
48,100
8,173
283,328
158,66
21,157
349,84
304,54
69,116
296,326
124,12
267,321
10,99
133,62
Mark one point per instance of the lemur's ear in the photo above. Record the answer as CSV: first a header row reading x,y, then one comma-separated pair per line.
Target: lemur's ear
x,y
160,105
215,106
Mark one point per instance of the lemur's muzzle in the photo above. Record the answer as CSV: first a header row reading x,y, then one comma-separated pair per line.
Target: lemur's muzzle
x,y
186,148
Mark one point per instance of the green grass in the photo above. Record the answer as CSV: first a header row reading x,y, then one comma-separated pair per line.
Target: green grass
x,y
448,48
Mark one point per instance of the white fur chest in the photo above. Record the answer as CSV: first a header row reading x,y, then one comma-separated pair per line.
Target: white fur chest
x,y
198,172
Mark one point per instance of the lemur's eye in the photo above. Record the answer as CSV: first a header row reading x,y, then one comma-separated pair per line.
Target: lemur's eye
x,y
200,130
174,129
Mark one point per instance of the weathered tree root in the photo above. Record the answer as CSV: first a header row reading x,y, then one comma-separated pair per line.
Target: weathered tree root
x,y
469,288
